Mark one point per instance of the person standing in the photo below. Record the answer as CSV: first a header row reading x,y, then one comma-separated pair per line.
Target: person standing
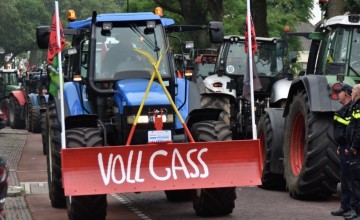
x,y
353,140
341,120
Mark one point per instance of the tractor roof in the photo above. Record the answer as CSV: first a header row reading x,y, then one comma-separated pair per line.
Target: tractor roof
x,y
8,71
140,16
351,20
242,38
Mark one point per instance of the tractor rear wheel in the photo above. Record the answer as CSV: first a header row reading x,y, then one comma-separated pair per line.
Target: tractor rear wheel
x,y
56,191
14,114
35,119
268,139
311,164
214,201
28,120
88,206
44,135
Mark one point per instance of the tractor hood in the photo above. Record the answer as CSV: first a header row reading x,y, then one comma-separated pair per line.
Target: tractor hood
x,y
130,92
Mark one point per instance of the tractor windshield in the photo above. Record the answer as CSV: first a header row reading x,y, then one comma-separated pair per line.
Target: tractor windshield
x,y
268,59
119,51
9,78
355,52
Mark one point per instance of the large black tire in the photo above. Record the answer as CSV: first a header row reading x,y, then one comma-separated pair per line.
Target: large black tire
x,y
179,195
213,201
56,191
44,129
89,206
218,102
14,114
311,164
4,103
35,119
267,135
28,121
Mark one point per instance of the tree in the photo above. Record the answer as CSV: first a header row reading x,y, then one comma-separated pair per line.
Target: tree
x,y
335,7
19,19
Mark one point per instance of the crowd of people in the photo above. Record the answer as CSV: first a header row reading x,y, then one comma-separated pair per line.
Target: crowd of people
x,y
347,136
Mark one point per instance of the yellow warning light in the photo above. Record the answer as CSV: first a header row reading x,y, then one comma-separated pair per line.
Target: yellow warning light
x,y
71,15
159,11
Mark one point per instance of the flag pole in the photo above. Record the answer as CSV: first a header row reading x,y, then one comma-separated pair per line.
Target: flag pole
x,y
61,79
254,132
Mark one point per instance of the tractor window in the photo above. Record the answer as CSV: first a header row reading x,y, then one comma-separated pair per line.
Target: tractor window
x,y
119,52
268,59
13,79
338,51
236,59
355,52
338,46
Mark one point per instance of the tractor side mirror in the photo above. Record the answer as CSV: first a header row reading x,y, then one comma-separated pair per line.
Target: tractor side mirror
x,y
43,36
216,31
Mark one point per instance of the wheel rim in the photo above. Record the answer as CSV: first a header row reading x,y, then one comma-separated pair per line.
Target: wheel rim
x,y
297,144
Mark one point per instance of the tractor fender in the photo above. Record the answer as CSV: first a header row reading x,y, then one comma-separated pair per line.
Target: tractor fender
x,y
318,90
224,81
19,96
280,90
188,103
75,98
277,126
74,121
34,99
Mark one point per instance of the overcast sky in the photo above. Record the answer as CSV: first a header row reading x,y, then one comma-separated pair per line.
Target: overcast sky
x,y
316,12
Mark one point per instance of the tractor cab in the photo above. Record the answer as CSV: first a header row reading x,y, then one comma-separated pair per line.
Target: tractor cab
x,y
9,81
268,59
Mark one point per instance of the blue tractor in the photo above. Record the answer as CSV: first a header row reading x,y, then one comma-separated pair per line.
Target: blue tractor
x,y
106,75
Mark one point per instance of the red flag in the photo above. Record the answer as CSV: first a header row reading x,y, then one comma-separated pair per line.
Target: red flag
x,y
253,37
53,48
256,80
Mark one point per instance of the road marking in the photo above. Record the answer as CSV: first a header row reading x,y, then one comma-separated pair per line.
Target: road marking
x,y
131,206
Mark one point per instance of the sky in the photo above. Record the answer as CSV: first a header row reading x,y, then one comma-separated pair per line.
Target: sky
x,y
316,12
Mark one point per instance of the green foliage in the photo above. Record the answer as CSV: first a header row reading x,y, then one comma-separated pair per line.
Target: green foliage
x,y
352,6
19,18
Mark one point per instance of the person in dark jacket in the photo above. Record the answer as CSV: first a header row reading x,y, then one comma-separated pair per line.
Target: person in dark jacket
x,y
341,120
353,140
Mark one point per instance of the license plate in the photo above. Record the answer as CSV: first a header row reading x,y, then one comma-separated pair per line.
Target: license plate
x,y
159,136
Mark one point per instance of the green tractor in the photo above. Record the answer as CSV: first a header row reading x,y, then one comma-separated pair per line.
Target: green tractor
x,y
298,139
12,99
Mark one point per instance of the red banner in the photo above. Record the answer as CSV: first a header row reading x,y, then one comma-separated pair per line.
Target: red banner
x,y
253,36
53,48
154,167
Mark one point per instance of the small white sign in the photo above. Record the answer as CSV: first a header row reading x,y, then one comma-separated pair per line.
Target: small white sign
x,y
230,69
159,136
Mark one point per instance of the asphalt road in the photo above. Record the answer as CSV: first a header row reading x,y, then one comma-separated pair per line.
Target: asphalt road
x,y
251,203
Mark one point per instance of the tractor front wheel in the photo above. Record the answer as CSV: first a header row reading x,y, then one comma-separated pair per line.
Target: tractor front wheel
x,y
214,201
88,206
56,191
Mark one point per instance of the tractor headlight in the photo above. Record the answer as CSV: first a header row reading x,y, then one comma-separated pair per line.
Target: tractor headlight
x,y
145,119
